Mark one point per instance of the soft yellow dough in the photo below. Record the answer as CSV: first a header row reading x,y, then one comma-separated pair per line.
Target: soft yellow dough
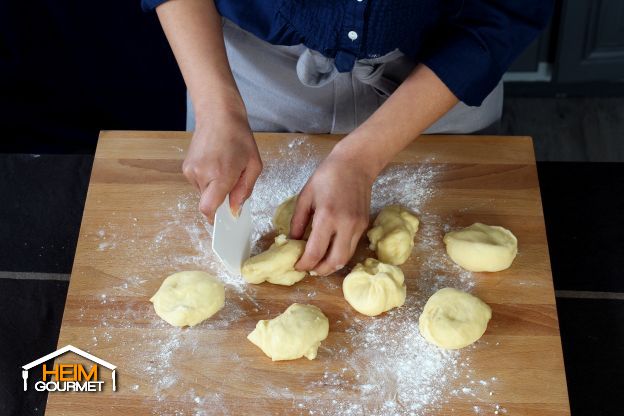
x,y
453,319
392,235
277,264
482,248
374,287
283,215
188,298
296,333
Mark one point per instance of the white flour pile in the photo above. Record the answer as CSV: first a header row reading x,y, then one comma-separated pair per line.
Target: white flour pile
x,y
388,367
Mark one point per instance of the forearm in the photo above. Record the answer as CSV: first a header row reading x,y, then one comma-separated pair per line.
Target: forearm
x,y
419,102
193,29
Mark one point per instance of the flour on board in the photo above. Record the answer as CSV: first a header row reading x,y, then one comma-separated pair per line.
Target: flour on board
x,y
386,364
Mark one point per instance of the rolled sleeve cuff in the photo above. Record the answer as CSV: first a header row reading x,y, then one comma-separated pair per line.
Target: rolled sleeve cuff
x,y
149,5
466,67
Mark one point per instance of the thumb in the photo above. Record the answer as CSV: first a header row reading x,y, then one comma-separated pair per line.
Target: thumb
x,y
243,188
301,216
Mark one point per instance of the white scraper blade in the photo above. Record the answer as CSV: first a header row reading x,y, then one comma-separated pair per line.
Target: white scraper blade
x,y
231,236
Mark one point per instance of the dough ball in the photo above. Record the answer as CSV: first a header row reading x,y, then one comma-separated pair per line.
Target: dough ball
x,y
392,235
283,215
374,287
482,248
188,298
277,264
296,333
453,319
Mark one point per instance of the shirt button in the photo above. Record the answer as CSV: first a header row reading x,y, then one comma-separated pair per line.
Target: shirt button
x,y
352,35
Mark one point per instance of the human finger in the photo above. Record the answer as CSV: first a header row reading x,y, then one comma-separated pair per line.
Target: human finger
x,y
316,246
244,186
301,216
212,197
339,253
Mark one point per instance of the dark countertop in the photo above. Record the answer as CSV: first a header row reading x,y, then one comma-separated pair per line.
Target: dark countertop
x,y
583,206
584,213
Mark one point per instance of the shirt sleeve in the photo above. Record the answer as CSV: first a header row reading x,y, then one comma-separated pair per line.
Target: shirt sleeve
x,y
477,45
149,5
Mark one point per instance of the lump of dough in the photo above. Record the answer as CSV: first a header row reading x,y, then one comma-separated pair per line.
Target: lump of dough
x,y
296,333
283,215
188,298
482,248
453,319
374,287
277,264
392,235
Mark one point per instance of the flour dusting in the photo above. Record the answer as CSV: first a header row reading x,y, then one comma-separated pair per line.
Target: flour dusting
x,y
386,368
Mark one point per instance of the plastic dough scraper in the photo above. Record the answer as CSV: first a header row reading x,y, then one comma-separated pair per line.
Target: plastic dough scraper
x,y
231,236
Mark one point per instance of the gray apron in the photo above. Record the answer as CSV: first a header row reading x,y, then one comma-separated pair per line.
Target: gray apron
x,y
296,89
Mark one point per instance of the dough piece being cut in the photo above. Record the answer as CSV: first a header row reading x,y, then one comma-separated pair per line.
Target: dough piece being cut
x,y
277,264
453,319
283,215
392,235
482,248
188,298
296,333
374,287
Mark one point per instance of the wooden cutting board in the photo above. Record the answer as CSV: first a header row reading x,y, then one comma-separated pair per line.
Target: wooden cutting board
x,y
141,224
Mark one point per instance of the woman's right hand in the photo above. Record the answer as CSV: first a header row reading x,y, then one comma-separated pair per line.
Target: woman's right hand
x,y
222,159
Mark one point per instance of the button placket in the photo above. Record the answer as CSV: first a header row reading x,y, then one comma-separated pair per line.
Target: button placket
x,y
351,39
356,31
358,22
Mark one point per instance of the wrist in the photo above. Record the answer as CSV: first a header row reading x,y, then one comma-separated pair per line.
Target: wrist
x,y
220,104
355,154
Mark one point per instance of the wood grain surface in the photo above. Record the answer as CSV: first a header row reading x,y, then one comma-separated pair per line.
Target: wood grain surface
x,y
137,190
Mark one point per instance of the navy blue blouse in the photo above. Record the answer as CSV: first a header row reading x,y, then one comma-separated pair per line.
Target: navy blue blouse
x,y
469,44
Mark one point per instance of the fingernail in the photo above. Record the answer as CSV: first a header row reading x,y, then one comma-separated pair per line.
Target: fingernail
x,y
340,266
313,273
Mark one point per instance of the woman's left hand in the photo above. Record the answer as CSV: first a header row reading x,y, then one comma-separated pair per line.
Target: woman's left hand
x,y
337,199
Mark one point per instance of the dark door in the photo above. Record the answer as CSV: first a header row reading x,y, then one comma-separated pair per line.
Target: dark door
x,y
591,41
